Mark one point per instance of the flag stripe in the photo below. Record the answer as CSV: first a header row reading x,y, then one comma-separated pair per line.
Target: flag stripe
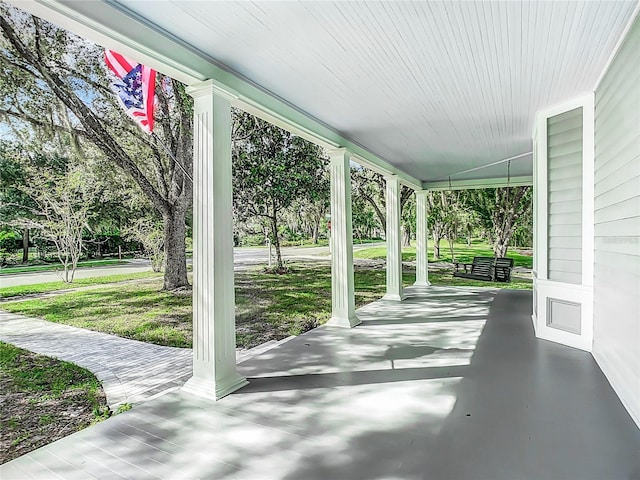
x,y
136,92
148,92
118,64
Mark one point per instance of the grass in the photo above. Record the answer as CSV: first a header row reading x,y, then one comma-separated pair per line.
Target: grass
x,y
322,242
57,266
268,307
444,277
44,399
463,253
21,290
140,311
271,307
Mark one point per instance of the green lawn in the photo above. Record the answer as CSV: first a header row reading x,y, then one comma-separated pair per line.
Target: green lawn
x,y
267,306
132,310
57,266
463,253
78,282
43,399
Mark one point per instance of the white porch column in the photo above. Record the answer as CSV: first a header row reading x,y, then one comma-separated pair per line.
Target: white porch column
x,y
422,240
394,236
342,290
214,335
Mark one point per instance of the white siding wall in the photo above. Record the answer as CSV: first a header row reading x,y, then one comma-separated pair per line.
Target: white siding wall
x,y
616,334
564,163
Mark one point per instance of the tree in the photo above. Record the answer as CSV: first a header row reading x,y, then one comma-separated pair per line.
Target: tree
x,y
272,168
45,67
64,210
305,215
14,203
61,200
148,232
499,211
437,211
365,221
370,186
408,219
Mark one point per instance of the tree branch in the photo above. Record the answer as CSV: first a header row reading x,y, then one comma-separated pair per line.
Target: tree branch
x,y
40,124
88,119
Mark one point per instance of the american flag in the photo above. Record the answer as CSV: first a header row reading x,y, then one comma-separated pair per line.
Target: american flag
x,y
135,88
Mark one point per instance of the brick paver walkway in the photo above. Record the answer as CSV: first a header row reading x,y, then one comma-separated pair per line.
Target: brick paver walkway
x,y
130,371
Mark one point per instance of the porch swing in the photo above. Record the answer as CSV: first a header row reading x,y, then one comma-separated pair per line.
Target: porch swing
x,y
487,268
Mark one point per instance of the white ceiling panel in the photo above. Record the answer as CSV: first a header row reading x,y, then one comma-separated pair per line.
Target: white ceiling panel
x,y
434,88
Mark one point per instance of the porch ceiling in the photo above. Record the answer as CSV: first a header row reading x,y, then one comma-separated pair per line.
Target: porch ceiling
x,y
436,90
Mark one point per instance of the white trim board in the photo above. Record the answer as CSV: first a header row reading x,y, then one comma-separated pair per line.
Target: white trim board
x,y
578,294
618,46
624,390
546,290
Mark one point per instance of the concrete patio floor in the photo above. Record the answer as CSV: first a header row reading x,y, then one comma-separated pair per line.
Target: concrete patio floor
x,y
449,384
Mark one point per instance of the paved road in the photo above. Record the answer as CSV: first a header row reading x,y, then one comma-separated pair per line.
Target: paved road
x,y
17,279
243,258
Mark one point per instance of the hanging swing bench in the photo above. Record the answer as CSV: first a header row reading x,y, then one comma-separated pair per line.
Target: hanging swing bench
x,y
485,268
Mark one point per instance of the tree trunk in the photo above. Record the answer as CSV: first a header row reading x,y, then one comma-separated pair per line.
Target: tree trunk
x,y
436,248
25,245
500,247
175,272
276,240
382,218
505,218
453,258
406,235
316,230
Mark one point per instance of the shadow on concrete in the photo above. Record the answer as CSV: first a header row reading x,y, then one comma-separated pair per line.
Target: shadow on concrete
x,y
475,397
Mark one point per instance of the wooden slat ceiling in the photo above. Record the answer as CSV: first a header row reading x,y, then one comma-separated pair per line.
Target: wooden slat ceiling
x,y
433,88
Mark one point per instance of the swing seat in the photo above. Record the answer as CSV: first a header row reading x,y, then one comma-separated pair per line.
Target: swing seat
x,y
502,269
480,269
486,269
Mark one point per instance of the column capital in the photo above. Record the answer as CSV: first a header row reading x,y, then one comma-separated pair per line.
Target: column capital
x,y
339,152
212,87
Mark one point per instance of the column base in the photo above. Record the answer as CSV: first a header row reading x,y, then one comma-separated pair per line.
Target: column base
x,y
349,322
214,390
394,297
422,284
